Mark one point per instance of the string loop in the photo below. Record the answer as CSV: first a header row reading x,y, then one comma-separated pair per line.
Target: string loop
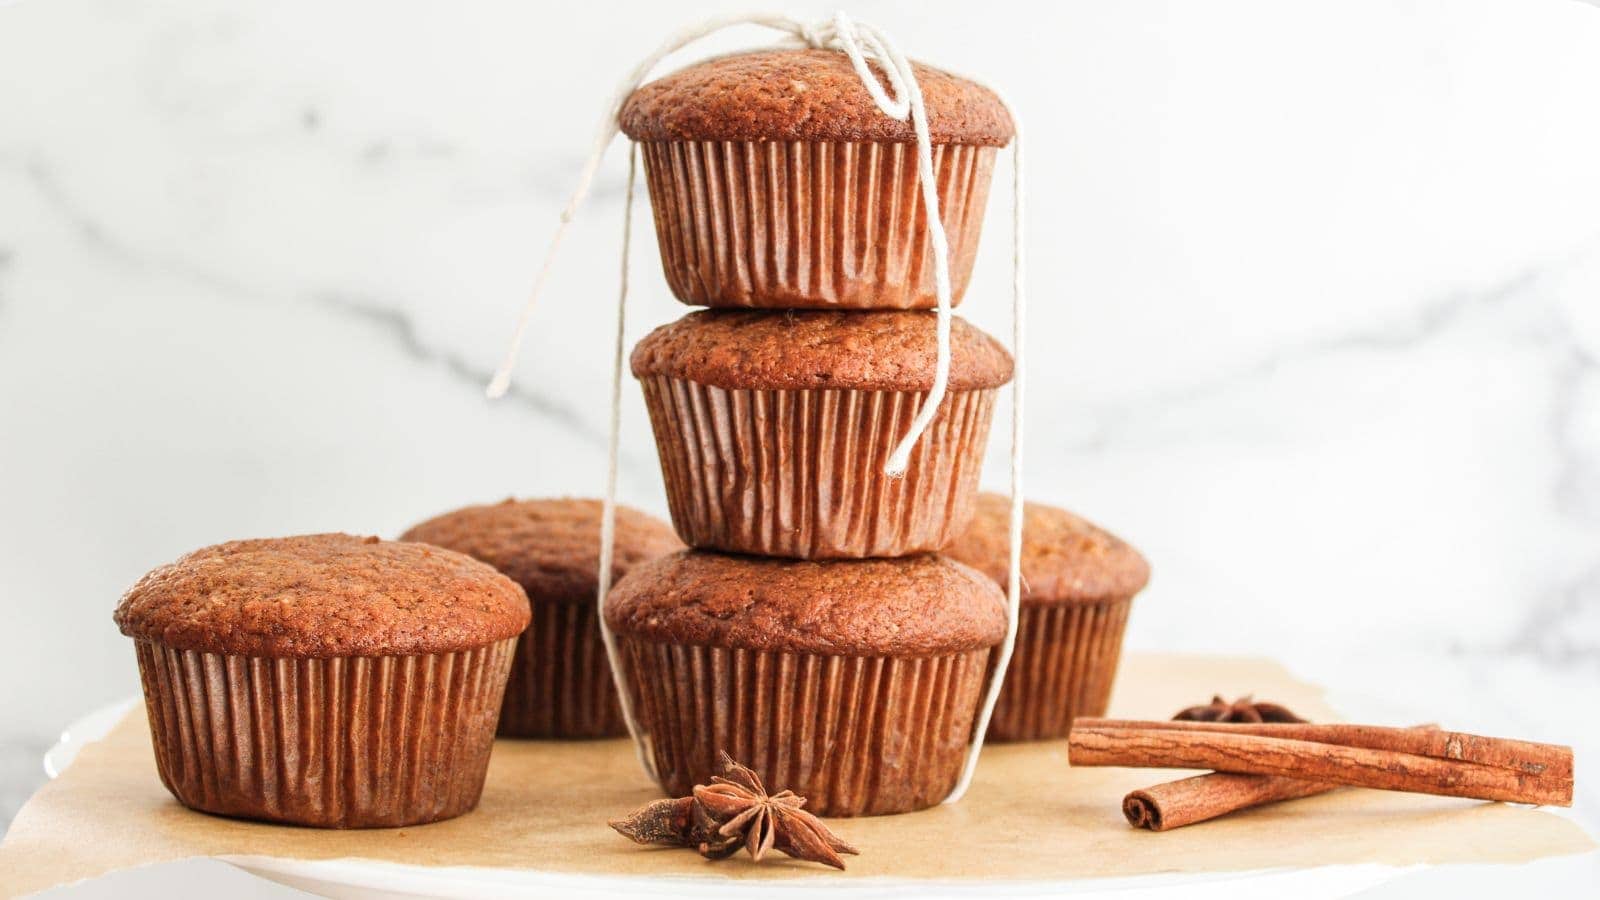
x,y
608,510
901,100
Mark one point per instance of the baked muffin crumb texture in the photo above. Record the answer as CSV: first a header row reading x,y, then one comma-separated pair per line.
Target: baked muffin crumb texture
x,y
321,596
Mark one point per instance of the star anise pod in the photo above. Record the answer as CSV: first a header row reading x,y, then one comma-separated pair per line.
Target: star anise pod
x,y
736,811
667,822
761,821
1244,709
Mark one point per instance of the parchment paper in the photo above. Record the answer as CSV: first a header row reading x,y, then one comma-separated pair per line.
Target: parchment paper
x,y
1027,817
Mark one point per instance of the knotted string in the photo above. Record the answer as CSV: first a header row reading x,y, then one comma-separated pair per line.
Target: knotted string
x,y
906,103
604,135
902,101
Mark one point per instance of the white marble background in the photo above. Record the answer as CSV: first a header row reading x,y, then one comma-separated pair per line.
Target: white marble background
x,y
1315,322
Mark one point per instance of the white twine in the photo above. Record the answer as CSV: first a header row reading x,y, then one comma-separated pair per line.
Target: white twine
x,y
1019,271
608,511
907,104
604,135
902,101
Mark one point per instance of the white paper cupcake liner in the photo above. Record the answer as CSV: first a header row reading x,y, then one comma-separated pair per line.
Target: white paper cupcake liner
x,y
799,473
834,225
338,743
1063,666
561,685
855,736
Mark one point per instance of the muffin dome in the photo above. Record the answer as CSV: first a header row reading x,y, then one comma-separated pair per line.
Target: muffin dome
x,y
550,547
321,596
1065,559
804,95
909,607
871,351
853,683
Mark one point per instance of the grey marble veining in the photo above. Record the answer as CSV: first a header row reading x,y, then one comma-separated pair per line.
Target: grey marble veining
x,y
1425,322
403,332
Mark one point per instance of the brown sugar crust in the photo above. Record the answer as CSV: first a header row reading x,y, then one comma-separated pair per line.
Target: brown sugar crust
x,y
795,350
914,606
550,547
323,595
804,95
1065,559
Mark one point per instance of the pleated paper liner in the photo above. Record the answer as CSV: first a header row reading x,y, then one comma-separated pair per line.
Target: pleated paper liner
x,y
799,473
1063,665
561,685
339,743
789,225
855,736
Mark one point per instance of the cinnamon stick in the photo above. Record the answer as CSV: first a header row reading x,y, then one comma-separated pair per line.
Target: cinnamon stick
x,y
1202,798
1205,797
1397,759
1423,740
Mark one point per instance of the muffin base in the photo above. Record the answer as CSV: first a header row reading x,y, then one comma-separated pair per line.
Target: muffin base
x,y
799,473
355,742
561,684
1063,666
855,736
802,224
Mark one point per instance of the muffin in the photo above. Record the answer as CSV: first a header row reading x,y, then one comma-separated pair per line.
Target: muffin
x,y
561,685
773,429
325,680
852,683
777,182
1078,582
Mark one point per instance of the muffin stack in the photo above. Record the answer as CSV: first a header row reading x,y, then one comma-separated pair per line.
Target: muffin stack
x,y
812,633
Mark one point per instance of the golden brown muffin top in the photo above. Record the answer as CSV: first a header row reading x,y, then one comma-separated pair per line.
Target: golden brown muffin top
x,y
550,547
804,95
818,349
323,595
1065,559
913,606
